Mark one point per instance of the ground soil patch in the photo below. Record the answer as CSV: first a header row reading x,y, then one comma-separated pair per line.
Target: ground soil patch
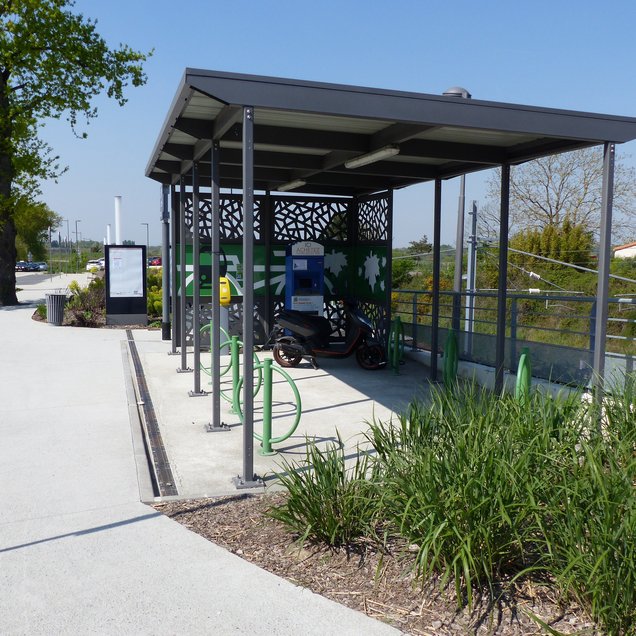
x,y
378,584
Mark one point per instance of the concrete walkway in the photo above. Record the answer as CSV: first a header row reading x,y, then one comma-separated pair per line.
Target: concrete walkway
x,y
79,552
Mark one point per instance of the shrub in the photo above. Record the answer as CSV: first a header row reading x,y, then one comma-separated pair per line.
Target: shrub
x,y
327,502
154,293
87,305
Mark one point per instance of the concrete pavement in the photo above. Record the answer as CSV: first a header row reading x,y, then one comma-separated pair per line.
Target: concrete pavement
x,y
79,552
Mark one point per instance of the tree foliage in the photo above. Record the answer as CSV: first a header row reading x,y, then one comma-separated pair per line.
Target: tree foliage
x,y
32,222
53,63
402,272
421,246
567,242
547,191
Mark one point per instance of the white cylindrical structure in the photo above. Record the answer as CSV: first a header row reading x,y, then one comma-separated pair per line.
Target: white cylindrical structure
x,y
118,220
108,234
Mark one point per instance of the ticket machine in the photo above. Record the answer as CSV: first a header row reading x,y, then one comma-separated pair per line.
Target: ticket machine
x,y
304,277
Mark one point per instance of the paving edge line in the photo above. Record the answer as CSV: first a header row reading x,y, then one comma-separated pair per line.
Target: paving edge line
x,y
154,458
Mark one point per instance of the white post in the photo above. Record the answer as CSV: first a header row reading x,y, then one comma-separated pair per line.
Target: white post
x,y
108,242
118,220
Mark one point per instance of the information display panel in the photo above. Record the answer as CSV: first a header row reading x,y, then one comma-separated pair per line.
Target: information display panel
x,y
126,298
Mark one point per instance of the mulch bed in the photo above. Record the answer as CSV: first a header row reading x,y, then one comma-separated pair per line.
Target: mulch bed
x,y
380,585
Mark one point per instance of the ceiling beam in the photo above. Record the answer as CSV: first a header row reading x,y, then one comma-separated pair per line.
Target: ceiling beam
x,y
180,151
174,167
542,147
394,169
452,151
299,137
228,117
396,134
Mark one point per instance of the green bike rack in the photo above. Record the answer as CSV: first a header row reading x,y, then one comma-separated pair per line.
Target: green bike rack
x,y
266,438
396,344
449,371
235,344
524,377
225,343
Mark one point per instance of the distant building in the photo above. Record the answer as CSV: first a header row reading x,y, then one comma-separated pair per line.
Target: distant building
x,y
625,251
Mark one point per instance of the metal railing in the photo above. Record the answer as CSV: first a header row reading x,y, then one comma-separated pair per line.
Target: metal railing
x,y
558,330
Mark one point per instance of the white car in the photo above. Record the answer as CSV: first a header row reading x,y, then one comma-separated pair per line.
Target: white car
x,y
96,264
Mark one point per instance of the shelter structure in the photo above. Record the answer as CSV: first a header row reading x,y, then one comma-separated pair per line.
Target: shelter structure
x,y
252,163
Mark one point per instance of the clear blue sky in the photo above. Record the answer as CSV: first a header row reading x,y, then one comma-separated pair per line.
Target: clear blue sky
x,y
575,55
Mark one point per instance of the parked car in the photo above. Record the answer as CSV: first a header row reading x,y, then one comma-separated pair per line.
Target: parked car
x,y
27,266
154,261
42,266
98,263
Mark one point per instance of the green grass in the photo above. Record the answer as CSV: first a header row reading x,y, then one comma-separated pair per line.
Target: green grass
x,y
327,502
592,531
460,480
490,490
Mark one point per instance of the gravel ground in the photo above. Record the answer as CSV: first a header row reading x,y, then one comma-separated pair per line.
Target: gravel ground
x,y
378,584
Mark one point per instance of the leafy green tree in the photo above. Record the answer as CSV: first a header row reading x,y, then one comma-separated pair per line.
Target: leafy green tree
x,y
569,242
52,63
32,222
402,272
422,246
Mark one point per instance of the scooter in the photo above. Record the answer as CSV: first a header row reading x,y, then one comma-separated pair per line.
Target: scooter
x,y
298,335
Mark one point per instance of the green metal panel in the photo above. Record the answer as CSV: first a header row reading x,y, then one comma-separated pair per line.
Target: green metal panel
x,y
358,272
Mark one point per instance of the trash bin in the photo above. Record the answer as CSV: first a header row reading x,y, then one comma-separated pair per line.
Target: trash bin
x,y
55,308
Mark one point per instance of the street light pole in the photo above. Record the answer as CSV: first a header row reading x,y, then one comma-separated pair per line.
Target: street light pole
x,y
458,91
77,245
68,241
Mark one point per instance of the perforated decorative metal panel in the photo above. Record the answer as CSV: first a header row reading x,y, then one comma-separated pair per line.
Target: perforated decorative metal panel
x,y
378,314
356,238
310,220
231,221
373,219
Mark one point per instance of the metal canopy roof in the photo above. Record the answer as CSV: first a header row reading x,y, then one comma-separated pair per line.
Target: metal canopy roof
x,y
307,131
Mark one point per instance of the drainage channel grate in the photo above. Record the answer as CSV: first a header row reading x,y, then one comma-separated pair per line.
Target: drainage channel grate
x,y
159,457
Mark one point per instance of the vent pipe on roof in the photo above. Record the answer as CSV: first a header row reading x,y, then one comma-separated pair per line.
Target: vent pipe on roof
x,y
457,91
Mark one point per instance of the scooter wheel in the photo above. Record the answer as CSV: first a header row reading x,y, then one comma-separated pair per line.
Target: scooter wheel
x,y
283,357
370,357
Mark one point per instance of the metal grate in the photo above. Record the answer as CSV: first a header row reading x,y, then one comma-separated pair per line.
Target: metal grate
x,y
159,457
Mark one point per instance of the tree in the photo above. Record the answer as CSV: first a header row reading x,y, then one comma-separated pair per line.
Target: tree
x,y
546,191
32,223
52,63
419,247
568,242
402,272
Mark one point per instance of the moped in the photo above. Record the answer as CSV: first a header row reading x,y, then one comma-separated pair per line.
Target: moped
x,y
299,335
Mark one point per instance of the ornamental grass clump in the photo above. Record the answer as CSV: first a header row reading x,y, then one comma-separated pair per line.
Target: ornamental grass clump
x,y
591,536
488,489
463,479
327,501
